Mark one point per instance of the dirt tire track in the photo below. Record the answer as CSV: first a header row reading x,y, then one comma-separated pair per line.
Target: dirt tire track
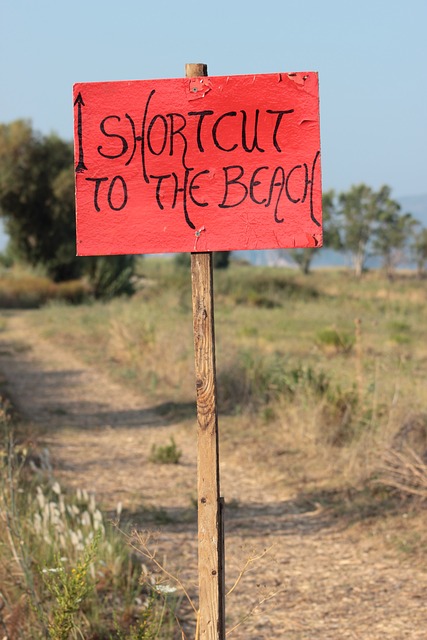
x,y
329,582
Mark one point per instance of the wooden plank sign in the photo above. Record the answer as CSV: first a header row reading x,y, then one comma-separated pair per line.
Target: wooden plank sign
x,y
198,164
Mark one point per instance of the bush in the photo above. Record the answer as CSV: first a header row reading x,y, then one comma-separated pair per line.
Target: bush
x,y
65,573
25,290
337,341
167,454
110,276
252,381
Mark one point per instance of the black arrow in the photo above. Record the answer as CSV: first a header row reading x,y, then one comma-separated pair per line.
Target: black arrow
x,y
79,102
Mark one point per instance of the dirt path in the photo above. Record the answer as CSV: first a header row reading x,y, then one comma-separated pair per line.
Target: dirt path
x,y
328,581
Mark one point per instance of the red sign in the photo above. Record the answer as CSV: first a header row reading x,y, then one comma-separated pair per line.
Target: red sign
x,y
200,164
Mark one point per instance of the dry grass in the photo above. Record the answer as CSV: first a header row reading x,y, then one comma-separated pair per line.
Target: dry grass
x,y
303,433
406,472
287,362
23,289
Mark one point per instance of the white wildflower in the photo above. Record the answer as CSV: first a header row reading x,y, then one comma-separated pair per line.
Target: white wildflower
x,y
164,588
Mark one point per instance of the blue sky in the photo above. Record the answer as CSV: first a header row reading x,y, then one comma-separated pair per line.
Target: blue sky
x,y
371,57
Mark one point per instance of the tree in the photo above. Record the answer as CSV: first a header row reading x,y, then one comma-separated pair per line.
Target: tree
x,y
419,251
392,235
37,198
358,211
331,238
371,224
37,205
109,276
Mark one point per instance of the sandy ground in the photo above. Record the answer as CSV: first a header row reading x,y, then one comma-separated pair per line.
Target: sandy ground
x,y
320,579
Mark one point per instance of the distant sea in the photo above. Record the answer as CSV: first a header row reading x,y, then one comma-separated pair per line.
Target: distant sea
x,y
417,205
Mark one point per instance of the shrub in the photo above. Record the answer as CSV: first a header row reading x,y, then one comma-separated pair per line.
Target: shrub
x,y
110,276
253,381
60,564
166,454
338,341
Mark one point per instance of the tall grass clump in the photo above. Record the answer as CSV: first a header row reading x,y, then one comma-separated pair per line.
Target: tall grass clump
x,y
66,572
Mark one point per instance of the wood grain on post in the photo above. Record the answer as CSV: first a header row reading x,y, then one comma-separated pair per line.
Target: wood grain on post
x,y
210,512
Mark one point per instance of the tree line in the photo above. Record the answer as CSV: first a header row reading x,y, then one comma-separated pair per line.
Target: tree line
x,y
37,208
364,223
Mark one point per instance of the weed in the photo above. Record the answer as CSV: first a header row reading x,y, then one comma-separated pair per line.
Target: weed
x,y
69,589
253,382
166,454
400,332
338,341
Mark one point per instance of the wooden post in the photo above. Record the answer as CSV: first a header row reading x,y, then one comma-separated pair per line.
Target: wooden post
x,y
210,506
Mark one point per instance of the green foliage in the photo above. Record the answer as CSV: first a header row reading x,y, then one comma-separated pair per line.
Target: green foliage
x,y
37,204
150,624
331,237
61,560
70,589
419,251
341,424
221,259
303,258
262,288
110,276
400,332
166,454
252,381
37,198
391,237
371,224
339,341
